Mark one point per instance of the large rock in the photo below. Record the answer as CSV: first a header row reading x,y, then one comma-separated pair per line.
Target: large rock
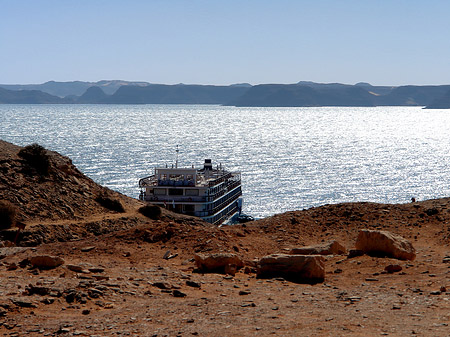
x,y
46,261
386,244
297,268
218,263
327,248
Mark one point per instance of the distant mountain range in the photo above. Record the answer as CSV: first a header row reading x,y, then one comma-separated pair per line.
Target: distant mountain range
x,y
75,88
301,94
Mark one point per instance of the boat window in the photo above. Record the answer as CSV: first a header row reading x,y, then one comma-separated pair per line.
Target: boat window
x,y
163,176
175,191
177,177
159,191
191,192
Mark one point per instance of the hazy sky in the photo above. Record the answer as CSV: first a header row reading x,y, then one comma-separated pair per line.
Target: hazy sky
x,y
222,42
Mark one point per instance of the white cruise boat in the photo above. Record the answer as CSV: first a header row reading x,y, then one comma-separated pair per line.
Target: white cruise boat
x,y
213,194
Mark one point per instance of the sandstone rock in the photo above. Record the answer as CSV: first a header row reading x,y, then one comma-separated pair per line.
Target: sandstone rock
x,y
46,261
327,248
218,263
297,268
385,243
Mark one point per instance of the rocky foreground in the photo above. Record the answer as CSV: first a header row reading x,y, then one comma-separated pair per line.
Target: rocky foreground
x,y
83,269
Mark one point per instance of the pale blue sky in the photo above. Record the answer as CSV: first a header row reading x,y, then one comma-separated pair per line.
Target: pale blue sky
x,y
223,42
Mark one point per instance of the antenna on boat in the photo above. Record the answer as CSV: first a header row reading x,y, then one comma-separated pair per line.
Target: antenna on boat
x,y
176,161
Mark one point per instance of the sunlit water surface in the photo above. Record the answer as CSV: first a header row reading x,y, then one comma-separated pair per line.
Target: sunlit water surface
x,y
290,158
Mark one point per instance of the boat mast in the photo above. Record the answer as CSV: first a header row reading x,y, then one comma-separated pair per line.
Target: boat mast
x,y
176,160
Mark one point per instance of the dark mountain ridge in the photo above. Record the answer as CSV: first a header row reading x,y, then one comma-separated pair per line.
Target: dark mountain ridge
x,y
73,88
337,94
301,94
442,102
28,97
176,94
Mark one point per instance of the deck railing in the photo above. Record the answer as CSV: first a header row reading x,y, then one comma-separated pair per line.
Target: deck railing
x,y
185,198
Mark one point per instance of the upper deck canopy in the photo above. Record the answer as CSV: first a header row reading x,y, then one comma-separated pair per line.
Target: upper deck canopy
x,y
189,177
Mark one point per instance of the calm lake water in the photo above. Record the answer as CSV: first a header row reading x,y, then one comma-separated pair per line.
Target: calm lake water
x,y
290,158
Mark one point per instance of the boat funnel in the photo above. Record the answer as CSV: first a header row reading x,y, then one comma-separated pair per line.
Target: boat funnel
x,y
207,165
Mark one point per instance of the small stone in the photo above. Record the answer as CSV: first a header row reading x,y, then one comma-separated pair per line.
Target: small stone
x,y
162,285
393,268
166,255
87,249
86,312
63,330
12,266
244,292
177,293
48,300
193,284
75,268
